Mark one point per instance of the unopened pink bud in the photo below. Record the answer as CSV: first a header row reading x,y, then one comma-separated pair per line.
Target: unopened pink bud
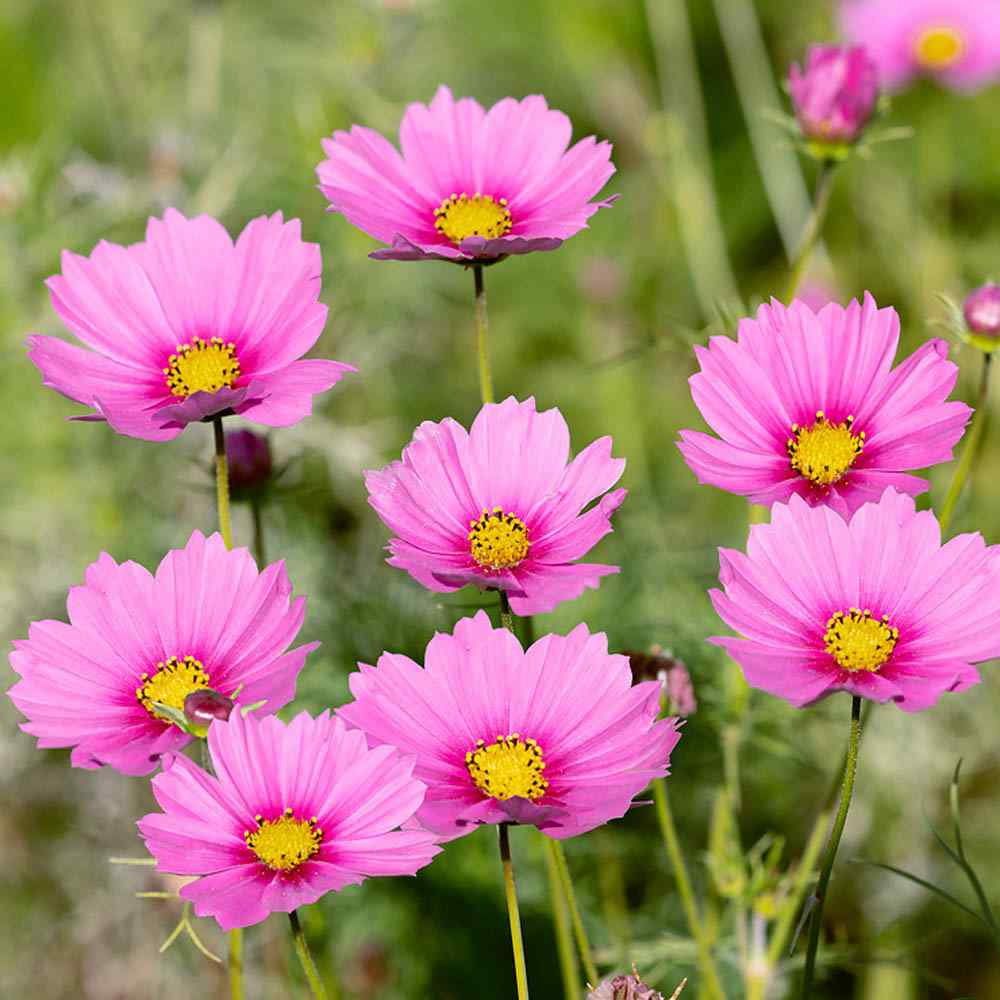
x,y
249,459
835,95
201,708
982,310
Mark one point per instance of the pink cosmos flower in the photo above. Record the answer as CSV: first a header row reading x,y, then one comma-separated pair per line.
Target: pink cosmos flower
x,y
135,641
471,185
296,811
835,96
875,606
807,403
188,326
555,736
955,41
498,506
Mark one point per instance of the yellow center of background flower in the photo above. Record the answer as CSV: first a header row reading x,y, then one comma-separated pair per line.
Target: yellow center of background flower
x,y
939,47
284,843
171,683
202,366
823,452
508,767
481,215
857,641
498,540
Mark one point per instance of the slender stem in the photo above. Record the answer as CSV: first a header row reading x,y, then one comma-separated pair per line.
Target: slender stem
x,y
612,884
670,841
305,957
513,913
222,483
235,963
506,615
816,918
560,923
259,550
482,337
972,443
579,931
814,227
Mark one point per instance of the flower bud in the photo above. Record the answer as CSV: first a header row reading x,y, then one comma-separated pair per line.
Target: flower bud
x,y
982,310
249,459
202,708
835,96
629,988
661,665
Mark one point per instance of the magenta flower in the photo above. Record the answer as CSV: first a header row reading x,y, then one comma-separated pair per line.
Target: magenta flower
x,y
471,185
135,641
498,506
982,311
835,96
875,606
296,811
554,736
809,404
957,42
188,326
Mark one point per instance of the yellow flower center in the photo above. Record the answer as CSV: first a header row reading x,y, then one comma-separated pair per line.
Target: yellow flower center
x,y
481,215
823,452
286,842
170,684
498,540
939,47
202,366
858,641
508,767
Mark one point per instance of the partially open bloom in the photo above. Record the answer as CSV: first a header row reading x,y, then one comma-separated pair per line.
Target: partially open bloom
x,y
498,506
807,403
629,988
137,645
555,736
957,42
292,812
835,96
876,606
471,185
672,675
187,326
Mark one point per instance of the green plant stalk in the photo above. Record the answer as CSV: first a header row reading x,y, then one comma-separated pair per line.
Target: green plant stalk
x,y
970,450
847,789
813,229
482,337
560,923
305,958
235,963
970,872
259,548
706,963
615,903
513,912
579,930
222,483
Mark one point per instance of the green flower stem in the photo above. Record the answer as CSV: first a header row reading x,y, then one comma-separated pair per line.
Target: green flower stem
x,y
560,923
847,788
506,615
222,483
306,959
706,963
579,931
482,337
235,963
970,450
259,549
814,227
513,912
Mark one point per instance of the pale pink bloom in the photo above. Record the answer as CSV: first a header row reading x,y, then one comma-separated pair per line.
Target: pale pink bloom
x,y
554,736
189,325
471,185
206,620
500,506
835,95
807,403
981,310
875,606
291,813
957,42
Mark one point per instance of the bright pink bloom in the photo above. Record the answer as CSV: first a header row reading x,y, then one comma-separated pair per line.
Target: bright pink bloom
x,y
875,606
498,506
808,403
471,185
206,620
835,96
188,325
955,41
296,811
555,736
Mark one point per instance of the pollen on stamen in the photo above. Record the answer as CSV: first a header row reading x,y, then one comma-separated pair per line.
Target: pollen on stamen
x,y
170,684
823,452
498,540
202,366
284,843
858,640
511,766
460,216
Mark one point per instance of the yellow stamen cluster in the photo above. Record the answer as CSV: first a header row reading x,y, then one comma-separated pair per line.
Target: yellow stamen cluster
x,y
497,540
286,842
202,366
823,452
939,46
507,768
173,680
859,641
481,215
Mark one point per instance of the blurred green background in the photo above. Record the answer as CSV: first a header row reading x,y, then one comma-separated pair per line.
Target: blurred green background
x,y
115,110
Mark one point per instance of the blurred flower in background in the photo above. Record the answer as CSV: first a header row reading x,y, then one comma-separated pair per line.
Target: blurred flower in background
x,y
982,310
248,455
661,665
